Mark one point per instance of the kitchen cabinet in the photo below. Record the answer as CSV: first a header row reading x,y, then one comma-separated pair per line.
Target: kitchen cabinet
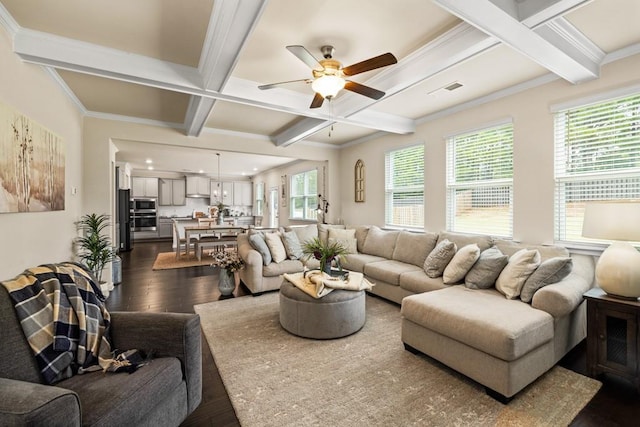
x,y
172,192
144,187
227,193
165,227
242,193
198,186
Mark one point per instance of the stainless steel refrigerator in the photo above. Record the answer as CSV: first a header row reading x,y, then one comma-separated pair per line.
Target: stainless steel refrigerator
x,y
124,221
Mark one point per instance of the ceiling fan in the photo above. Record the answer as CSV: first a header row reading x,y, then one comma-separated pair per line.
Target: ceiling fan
x,y
329,74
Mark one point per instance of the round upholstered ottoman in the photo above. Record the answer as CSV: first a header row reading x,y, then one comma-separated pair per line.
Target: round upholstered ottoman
x,y
337,314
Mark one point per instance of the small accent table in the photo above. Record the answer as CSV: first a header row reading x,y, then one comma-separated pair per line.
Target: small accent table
x,y
613,336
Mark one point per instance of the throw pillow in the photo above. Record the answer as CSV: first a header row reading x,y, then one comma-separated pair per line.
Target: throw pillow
x,y
292,245
518,269
350,244
460,264
380,242
548,272
439,258
338,233
305,233
323,231
486,270
257,242
274,242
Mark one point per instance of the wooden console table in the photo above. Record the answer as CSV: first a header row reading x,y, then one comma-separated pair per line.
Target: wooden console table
x,y
613,336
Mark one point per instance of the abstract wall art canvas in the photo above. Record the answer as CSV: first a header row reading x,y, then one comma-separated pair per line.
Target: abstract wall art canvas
x,y
32,165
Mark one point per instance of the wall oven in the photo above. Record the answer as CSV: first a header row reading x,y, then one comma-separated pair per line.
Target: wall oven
x,y
143,214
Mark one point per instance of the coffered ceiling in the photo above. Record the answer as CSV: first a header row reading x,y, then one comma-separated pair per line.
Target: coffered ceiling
x,y
197,64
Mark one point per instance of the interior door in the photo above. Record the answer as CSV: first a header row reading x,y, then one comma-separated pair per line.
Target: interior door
x,y
273,208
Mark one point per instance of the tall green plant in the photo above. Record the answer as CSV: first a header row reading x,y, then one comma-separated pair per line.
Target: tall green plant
x,y
95,247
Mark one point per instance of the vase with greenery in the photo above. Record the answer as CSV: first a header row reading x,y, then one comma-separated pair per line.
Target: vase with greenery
x,y
95,247
221,211
229,263
324,252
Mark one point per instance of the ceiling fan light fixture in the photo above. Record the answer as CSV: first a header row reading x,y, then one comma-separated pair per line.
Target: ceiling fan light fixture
x,y
328,86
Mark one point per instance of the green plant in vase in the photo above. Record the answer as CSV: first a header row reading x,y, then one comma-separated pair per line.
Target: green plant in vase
x,y
324,252
95,248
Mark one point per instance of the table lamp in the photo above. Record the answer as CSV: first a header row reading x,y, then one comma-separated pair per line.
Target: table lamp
x,y
618,269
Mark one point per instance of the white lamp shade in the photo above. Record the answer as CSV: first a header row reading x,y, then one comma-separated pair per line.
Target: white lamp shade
x,y
328,86
618,268
612,220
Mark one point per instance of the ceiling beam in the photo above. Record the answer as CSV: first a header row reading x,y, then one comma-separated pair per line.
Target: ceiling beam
x,y
500,18
230,25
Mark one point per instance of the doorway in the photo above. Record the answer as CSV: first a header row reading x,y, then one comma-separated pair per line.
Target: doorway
x,y
273,207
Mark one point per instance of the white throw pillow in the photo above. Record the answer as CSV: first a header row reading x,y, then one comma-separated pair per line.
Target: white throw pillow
x,y
274,242
351,245
460,264
518,269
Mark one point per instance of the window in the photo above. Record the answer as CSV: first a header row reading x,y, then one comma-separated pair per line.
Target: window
x,y
404,187
304,195
480,181
597,158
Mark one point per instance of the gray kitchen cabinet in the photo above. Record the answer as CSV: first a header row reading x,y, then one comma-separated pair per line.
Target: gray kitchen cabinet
x,y
144,187
242,193
172,192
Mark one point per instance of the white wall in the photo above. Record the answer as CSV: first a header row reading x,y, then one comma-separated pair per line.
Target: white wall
x,y
33,238
533,154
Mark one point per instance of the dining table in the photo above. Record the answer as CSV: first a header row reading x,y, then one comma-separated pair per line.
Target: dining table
x,y
209,229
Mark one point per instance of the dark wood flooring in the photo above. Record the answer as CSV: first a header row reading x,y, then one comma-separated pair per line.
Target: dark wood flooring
x,y
616,404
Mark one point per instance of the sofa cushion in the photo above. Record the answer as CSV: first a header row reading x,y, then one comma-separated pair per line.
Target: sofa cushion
x,y
276,247
305,232
462,239
482,319
418,282
460,264
517,271
323,231
345,237
361,235
286,266
292,245
388,271
258,243
550,271
380,242
413,248
486,270
124,399
356,262
439,258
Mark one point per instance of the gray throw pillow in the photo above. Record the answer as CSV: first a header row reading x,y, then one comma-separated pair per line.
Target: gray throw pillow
x,y
486,270
548,272
292,245
258,243
439,258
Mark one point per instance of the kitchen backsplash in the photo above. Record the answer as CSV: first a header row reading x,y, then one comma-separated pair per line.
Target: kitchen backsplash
x,y
199,204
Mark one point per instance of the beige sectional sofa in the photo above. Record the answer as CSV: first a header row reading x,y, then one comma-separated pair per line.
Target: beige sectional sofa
x,y
502,343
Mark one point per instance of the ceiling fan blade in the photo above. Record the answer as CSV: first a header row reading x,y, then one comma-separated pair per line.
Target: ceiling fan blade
x,y
304,55
317,101
363,90
273,85
370,64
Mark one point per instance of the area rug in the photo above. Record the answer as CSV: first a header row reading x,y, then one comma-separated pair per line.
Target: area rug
x,y
277,379
168,261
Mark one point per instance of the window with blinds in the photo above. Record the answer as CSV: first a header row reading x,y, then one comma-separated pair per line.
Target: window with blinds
x,y
304,195
404,187
480,181
597,157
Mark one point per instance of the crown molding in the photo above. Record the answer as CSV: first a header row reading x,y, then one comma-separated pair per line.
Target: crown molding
x,y
66,89
7,22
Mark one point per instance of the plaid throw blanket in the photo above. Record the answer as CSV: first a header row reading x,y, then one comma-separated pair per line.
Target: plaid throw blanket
x,y
62,313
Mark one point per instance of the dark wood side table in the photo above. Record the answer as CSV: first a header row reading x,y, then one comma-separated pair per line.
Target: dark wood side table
x,y
613,336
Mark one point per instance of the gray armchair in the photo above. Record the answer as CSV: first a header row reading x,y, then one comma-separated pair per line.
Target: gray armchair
x,y
162,393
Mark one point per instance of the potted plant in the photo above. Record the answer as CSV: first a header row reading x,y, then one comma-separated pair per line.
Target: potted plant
x,y
95,248
324,252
